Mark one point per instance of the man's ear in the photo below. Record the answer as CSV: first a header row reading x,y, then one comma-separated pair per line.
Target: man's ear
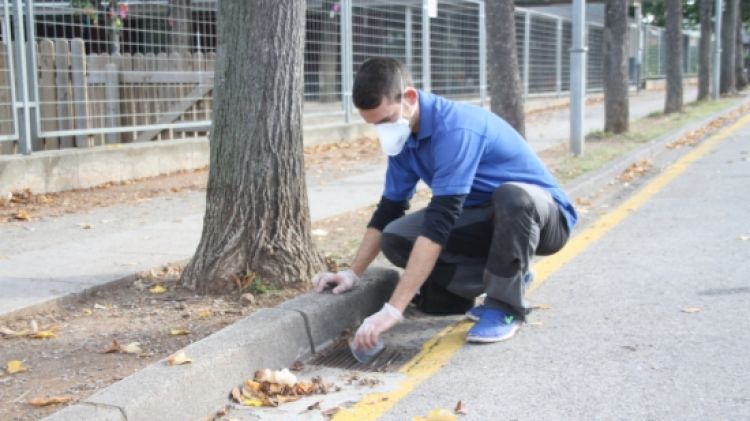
x,y
411,96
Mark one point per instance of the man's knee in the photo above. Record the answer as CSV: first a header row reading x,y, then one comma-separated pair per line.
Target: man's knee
x,y
512,201
395,248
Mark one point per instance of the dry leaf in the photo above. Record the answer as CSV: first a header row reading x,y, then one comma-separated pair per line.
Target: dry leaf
x,y
237,395
331,411
22,215
297,366
12,333
52,400
88,311
252,402
536,323
319,232
314,406
178,359
437,415
158,289
692,310
99,307
15,366
86,226
582,202
179,332
459,409
43,334
131,348
204,314
542,307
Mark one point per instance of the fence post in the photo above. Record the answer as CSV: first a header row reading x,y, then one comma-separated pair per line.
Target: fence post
x,y
32,74
426,59
717,50
409,37
526,48
558,57
112,103
22,87
78,76
482,55
347,65
9,78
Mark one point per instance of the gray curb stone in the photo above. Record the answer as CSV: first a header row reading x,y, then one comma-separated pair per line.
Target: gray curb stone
x,y
270,338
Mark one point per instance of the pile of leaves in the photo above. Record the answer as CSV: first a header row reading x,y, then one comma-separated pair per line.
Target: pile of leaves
x,y
273,388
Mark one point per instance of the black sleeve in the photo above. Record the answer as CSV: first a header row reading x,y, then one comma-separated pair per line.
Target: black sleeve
x,y
440,216
387,211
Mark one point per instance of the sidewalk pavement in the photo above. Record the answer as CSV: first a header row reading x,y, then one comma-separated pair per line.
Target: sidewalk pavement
x,y
46,260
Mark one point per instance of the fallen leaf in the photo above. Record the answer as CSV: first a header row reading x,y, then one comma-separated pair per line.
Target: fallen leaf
x,y
43,334
15,366
22,215
52,400
331,411
692,310
12,333
437,415
86,226
158,289
179,332
319,232
252,402
131,348
237,395
297,366
178,359
536,323
459,409
248,298
542,307
314,406
99,307
583,202
88,311
204,314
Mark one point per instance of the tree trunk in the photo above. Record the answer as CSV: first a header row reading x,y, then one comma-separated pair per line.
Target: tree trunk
x,y
704,50
741,80
616,107
182,25
257,220
728,46
505,83
673,101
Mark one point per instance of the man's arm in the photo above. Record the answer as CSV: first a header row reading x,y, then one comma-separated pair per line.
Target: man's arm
x,y
367,252
421,262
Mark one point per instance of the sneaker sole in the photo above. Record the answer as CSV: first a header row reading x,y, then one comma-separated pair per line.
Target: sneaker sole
x,y
482,339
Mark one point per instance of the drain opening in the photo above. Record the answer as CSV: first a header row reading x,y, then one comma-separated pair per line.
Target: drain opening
x,y
338,355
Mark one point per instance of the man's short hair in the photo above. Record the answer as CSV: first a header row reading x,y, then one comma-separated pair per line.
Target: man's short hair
x,y
378,78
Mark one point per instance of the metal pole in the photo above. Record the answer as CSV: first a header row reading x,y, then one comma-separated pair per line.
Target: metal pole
x,y
558,57
578,77
482,55
426,59
347,65
639,53
526,48
24,132
33,95
11,64
717,50
409,35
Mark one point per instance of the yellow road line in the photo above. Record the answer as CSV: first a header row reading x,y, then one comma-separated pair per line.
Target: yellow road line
x,y
440,349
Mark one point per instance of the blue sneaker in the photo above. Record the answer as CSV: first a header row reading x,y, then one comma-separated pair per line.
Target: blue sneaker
x,y
476,313
493,326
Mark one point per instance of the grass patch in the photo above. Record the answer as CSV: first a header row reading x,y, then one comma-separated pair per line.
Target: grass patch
x,y
602,147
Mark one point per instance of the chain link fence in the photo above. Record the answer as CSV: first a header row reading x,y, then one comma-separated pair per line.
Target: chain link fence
x,y
103,72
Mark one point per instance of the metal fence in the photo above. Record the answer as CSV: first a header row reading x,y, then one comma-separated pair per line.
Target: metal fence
x,y
106,71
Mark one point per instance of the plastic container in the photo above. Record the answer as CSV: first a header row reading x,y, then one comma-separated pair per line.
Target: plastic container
x,y
366,355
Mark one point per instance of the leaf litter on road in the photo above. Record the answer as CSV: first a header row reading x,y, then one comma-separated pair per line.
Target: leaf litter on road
x,y
272,388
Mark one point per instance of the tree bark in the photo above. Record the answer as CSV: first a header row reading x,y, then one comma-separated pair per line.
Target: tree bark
x,y
257,220
673,102
616,106
704,50
741,80
728,46
505,82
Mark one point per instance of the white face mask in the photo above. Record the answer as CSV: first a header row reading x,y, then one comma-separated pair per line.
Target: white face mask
x,y
393,135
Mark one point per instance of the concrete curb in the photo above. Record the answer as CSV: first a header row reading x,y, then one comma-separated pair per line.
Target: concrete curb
x,y
269,338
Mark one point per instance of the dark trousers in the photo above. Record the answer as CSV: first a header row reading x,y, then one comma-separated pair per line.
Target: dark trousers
x,y
488,250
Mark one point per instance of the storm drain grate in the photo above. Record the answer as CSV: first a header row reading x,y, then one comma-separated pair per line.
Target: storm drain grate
x,y
339,356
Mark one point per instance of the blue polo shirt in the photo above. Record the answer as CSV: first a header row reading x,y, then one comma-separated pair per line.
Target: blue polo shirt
x,y
462,149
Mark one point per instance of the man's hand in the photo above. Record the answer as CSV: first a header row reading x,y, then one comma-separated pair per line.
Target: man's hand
x,y
373,326
343,280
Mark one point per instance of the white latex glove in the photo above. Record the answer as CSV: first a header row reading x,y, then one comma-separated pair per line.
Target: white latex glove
x,y
343,279
373,326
